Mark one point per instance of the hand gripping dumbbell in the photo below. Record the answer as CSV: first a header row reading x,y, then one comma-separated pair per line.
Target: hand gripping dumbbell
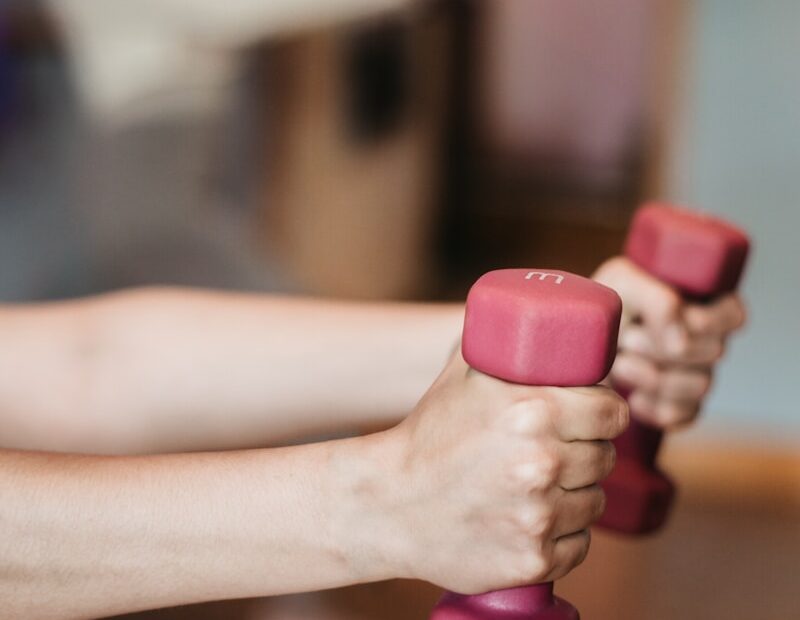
x,y
534,327
702,257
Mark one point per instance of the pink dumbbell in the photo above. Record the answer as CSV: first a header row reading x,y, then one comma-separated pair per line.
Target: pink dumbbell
x,y
702,257
534,327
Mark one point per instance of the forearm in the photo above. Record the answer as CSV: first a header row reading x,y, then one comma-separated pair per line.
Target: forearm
x,y
169,369
93,536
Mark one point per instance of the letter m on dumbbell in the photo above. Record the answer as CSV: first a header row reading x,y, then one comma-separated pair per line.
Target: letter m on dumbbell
x,y
543,276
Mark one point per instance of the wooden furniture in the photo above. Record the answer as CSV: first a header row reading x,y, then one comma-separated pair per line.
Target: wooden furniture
x,y
354,146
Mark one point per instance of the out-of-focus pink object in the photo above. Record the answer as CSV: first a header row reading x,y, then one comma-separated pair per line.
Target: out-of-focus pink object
x,y
565,82
702,257
536,327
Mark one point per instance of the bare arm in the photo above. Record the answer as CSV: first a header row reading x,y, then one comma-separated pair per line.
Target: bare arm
x,y
86,536
169,369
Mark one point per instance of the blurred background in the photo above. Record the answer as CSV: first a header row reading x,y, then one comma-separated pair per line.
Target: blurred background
x,y
396,149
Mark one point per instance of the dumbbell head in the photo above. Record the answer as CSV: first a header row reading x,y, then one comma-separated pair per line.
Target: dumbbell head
x,y
541,327
534,327
700,255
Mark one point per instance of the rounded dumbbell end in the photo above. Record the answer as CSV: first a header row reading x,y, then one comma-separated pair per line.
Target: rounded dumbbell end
x,y
527,603
700,255
541,327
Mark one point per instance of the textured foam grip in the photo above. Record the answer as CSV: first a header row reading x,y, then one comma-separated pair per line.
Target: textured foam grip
x,y
541,327
700,255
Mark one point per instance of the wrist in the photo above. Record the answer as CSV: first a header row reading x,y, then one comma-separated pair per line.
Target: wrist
x,y
366,526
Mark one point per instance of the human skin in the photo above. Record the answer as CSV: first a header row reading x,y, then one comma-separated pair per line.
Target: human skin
x,y
668,346
159,370
510,471
165,370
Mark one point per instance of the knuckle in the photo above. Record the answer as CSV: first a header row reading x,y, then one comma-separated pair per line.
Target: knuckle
x,y
525,417
546,403
544,406
521,477
549,465
539,473
537,522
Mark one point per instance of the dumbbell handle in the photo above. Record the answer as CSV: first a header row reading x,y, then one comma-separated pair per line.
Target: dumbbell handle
x,y
640,441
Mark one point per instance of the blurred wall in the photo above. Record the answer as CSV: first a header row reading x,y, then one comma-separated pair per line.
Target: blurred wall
x,y
738,154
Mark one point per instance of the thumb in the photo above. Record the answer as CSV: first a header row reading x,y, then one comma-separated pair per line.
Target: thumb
x,y
647,301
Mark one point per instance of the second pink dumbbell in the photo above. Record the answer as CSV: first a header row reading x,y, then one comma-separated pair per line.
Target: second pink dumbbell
x,y
702,257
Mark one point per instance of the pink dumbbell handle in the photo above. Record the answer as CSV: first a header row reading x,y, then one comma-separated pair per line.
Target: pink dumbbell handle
x,y
640,441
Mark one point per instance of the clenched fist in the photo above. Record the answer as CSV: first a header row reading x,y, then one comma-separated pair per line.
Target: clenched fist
x,y
668,347
497,482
